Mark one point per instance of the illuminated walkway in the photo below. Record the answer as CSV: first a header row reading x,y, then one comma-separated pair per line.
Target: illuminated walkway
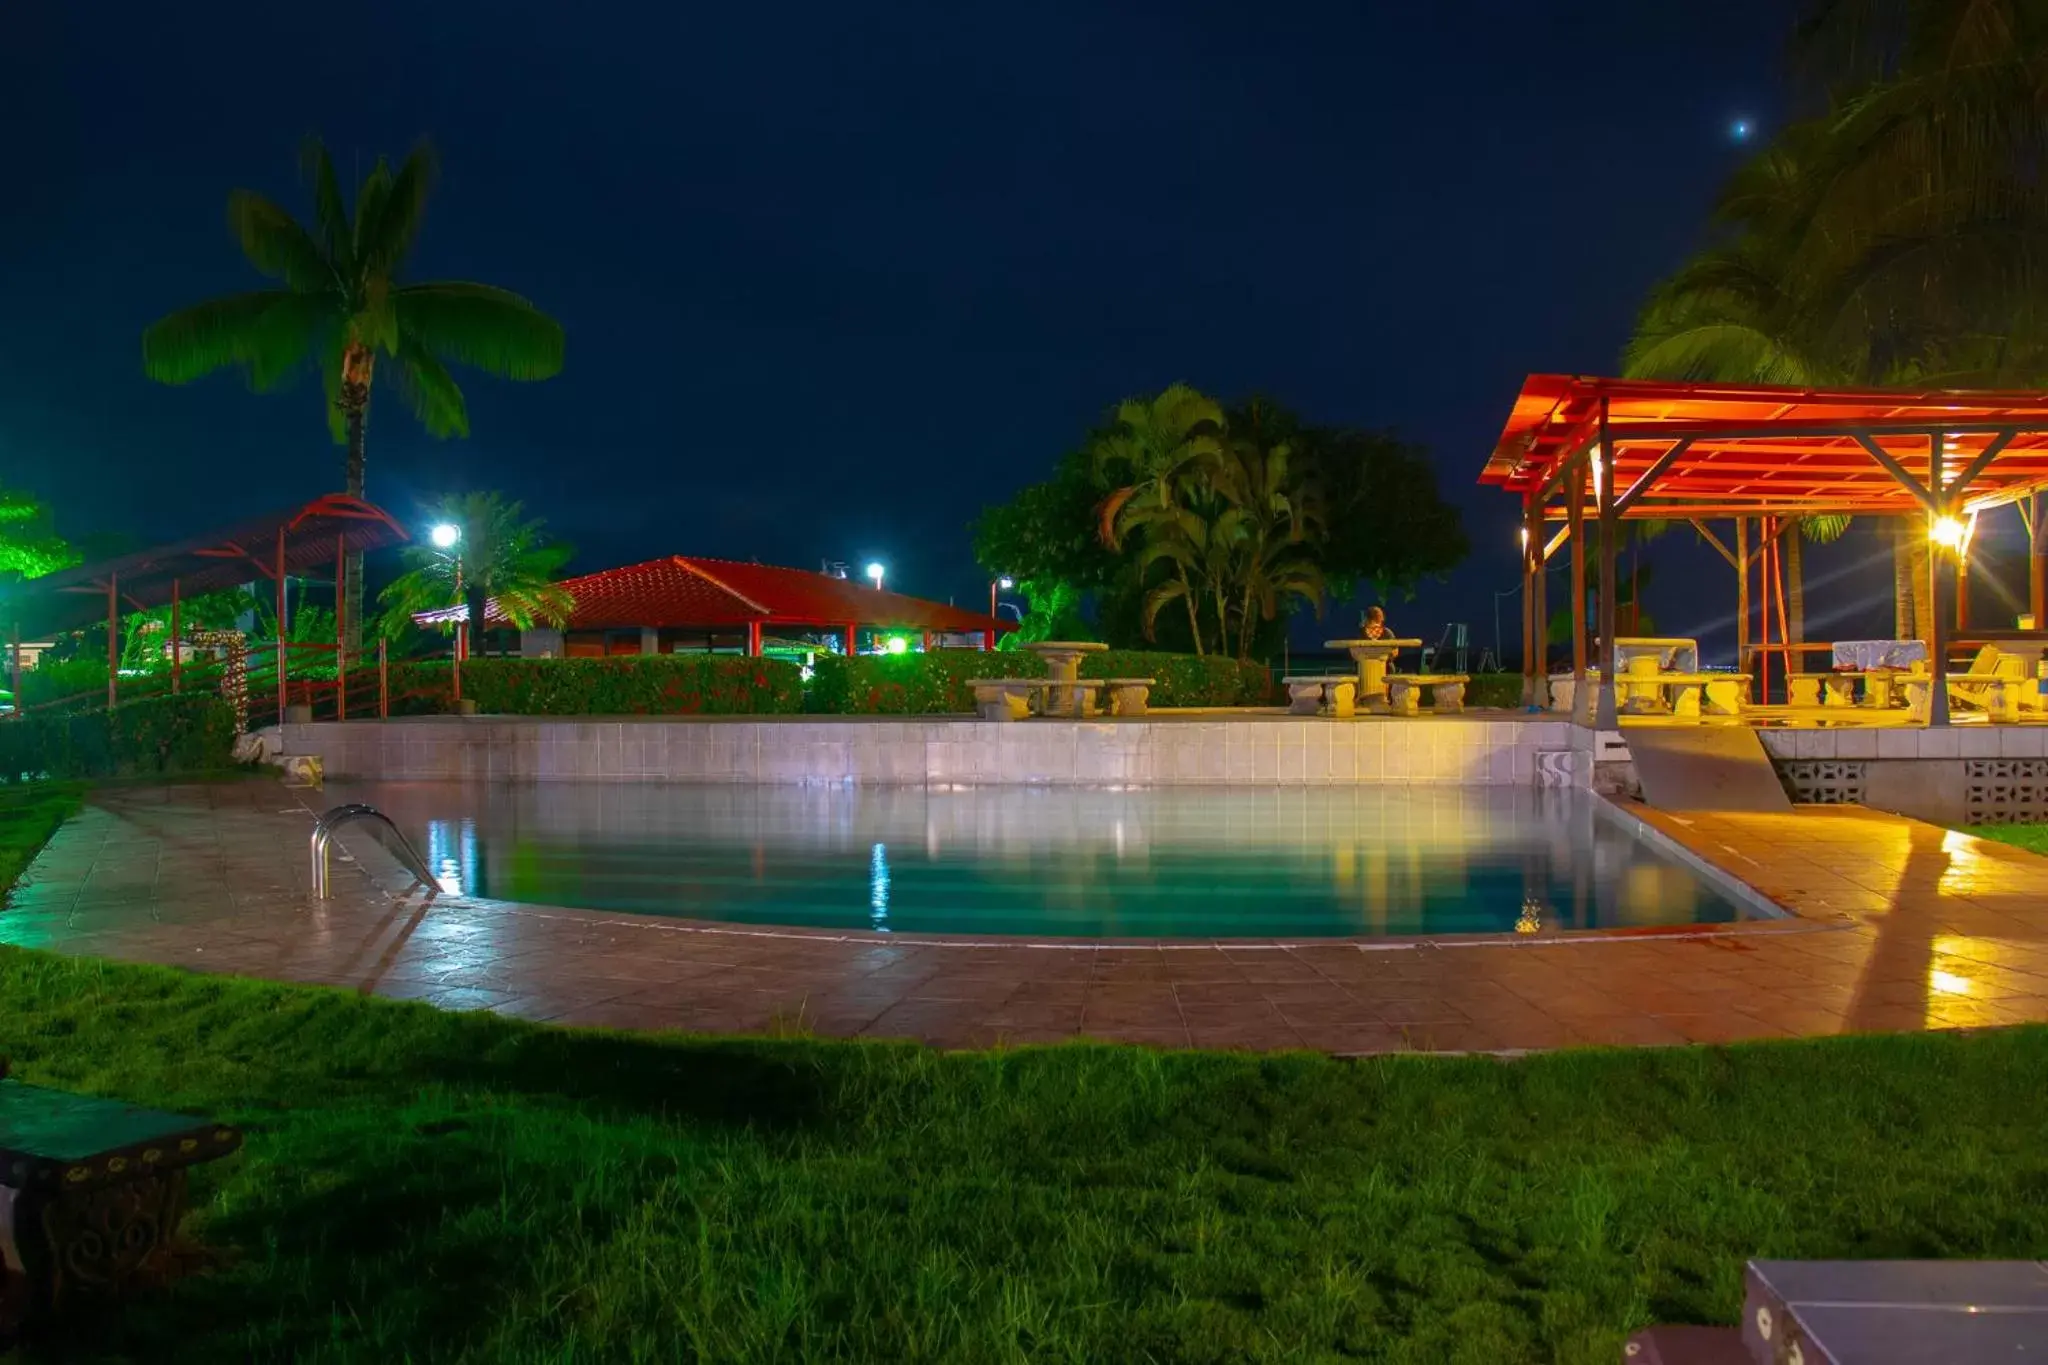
x,y
1901,926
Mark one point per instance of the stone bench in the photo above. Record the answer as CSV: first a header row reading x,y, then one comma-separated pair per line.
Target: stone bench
x,y
1725,694
91,1192
1335,693
1447,692
1004,698
1129,696
1994,693
1823,689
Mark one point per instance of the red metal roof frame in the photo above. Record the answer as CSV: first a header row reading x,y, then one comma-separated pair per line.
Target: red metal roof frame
x,y
312,535
693,593
1718,450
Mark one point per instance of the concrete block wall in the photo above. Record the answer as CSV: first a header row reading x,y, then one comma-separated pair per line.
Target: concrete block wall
x,y
1239,751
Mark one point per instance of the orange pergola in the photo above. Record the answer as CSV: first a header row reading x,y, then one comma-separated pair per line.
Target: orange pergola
x,y
1762,456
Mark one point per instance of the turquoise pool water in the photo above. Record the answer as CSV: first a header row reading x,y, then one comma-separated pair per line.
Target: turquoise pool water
x,y
1057,862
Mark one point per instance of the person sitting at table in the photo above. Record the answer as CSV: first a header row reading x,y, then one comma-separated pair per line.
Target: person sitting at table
x,y
1374,626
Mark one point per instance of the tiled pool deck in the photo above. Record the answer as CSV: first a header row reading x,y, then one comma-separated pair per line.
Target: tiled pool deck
x,y
1900,925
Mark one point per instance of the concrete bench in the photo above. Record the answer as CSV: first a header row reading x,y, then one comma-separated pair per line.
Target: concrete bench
x,y
1004,698
1993,693
1335,693
1725,694
91,1192
1128,696
1823,689
1447,692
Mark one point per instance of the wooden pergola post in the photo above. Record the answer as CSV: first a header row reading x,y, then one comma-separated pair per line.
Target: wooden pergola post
x,y
1575,524
280,625
1605,716
113,638
14,689
2032,512
177,649
1937,582
341,604
754,639
1742,596
1530,529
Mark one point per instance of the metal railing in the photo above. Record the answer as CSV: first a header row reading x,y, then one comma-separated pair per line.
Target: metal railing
x,y
331,820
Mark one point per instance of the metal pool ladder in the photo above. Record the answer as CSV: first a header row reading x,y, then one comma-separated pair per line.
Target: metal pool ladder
x,y
332,820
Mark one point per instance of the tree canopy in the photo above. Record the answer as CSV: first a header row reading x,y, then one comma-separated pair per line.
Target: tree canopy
x,y
502,554
1188,524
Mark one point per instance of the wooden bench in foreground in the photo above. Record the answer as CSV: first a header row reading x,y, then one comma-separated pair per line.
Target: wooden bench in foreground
x,y
1336,693
1447,692
91,1192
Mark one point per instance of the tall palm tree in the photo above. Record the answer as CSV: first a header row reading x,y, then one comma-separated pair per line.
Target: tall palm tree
x,y
502,557
1271,524
1928,196
1157,454
341,306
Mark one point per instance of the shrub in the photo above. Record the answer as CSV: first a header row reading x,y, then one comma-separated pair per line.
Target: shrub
x,y
1495,689
626,685
190,733
936,683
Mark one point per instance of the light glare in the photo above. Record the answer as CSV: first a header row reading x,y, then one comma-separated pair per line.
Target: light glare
x,y
446,535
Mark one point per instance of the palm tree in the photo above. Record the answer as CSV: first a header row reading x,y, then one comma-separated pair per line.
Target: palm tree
x,y
1927,192
1155,455
1270,527
503,559
341,306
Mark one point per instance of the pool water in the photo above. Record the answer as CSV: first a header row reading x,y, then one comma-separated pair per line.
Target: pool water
x,y
1057,862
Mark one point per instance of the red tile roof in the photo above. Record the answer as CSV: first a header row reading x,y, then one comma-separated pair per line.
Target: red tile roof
x,y
689,593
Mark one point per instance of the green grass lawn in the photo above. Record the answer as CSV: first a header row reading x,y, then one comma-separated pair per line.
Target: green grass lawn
x,y
2033,838
420,1186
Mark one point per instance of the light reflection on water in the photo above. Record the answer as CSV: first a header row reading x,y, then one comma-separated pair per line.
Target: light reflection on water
x,y
1173,862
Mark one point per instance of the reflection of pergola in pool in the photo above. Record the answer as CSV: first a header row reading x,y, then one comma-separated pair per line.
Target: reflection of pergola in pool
x,y
1762,456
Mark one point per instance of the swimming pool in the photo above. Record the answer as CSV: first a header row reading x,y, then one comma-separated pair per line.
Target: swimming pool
x,y
1058,861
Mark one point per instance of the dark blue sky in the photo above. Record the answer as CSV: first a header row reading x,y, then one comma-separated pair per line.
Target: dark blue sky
x,y
835,277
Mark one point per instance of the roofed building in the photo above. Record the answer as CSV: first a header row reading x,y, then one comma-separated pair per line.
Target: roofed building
x,y
691,605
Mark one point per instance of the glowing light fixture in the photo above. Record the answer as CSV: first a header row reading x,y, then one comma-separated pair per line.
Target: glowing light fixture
x,y
875,572
1947,532
1005,583
898,645
446,536
1598,460
1525,540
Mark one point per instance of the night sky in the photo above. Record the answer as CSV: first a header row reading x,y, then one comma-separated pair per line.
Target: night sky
x,y
835,277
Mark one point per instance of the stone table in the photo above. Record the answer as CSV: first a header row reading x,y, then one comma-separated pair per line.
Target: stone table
x,y
1372,658
1063,665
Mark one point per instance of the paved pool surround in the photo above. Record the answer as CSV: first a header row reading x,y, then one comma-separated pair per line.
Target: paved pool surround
x,y
1243,749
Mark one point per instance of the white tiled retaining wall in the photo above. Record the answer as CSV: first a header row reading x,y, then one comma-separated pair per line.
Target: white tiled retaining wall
x,y
1247,750
1949,741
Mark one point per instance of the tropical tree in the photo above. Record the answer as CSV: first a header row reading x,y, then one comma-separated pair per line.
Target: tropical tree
x,y
501,557
29,544
340,307
1270,527
1157,453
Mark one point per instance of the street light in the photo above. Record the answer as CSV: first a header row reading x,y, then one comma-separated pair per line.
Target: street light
x,y
446,535
1946,532
1003,584
875,572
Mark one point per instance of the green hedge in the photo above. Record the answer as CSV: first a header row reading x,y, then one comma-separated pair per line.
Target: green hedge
x,y
626,685
192,733
1502,690
936,683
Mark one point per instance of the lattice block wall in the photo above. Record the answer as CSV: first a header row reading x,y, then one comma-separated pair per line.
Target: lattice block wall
x,y
2003,791
1822,781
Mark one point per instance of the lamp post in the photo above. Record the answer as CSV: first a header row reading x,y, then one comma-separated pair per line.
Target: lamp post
x,y
448,536
1002,584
